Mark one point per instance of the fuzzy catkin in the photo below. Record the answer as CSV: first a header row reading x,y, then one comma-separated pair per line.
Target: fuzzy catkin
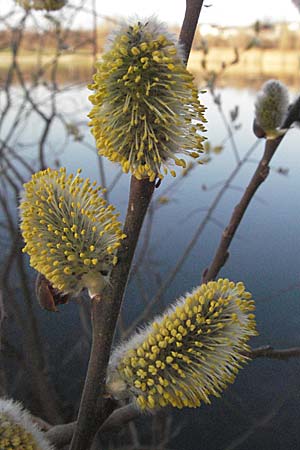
x,y
71,234
271,107
146,108
17,430
189,353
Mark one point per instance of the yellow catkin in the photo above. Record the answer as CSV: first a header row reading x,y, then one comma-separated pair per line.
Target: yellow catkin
x,y
71,234
17,430
146,108
188,354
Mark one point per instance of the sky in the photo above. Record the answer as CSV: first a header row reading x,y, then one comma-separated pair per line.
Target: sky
x,y
220,12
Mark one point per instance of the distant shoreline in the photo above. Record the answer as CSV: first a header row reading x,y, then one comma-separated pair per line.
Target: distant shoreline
x,y
254,65
255,61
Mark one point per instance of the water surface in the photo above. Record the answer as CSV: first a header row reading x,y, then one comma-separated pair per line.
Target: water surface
x,y
261,410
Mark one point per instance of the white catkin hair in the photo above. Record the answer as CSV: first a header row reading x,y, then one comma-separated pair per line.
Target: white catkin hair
x,y
12,414
189,353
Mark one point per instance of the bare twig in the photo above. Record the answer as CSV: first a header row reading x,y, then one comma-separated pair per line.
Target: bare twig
x,y
259,423
187,33
258,178
269,352
201,227
61,435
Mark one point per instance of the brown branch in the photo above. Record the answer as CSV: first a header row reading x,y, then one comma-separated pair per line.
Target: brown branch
x,y
269,352
61,435
258,178
94,409
190,21
120,417
200,229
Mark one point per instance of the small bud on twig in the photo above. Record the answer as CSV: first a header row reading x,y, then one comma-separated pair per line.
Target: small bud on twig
x,y
271,108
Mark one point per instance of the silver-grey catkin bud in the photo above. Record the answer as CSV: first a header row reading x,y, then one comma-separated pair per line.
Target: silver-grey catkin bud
x,y
271,108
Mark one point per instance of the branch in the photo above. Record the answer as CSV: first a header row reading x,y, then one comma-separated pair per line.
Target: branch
x,y
120,417
190,21
200,229
269,352
254,427
94,408
61,435
258,178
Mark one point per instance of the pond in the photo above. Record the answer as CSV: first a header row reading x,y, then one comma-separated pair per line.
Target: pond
x,y
261,409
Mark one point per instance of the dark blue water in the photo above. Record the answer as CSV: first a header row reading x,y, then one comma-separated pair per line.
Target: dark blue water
x,y
262,409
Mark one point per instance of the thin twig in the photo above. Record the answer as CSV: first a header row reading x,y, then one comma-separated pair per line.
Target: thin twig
x,y
269,352
258,178
259,423
201,227
190,21
61,435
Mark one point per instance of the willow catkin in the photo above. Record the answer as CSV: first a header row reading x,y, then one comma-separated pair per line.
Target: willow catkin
x,y
71,234
146,107
189,353
17,430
